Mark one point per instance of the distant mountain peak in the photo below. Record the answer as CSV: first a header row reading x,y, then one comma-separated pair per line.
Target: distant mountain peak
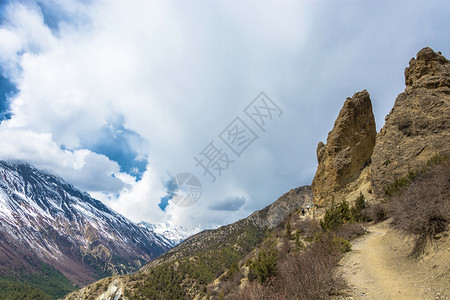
x,y
174,234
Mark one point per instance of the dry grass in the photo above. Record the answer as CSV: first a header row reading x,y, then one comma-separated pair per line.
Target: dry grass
x,y
306,275
350,231
376,212
423,208
309,228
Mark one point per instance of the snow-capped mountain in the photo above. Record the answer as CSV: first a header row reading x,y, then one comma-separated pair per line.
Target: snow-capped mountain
x,y
174,234
43,219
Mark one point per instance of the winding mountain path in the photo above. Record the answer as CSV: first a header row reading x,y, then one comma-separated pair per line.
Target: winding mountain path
x,y
378,267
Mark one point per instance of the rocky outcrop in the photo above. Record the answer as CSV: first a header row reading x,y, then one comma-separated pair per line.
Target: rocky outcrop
x,y
347,152
418,126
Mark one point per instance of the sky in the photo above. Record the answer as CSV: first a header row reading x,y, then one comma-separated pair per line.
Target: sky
x,y
120,97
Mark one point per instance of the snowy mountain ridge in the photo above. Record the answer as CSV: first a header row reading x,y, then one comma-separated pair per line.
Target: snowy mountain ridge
x,y
174,234
47,219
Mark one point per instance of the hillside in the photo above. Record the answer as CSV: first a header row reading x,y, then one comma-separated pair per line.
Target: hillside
x,y
187,268
51,230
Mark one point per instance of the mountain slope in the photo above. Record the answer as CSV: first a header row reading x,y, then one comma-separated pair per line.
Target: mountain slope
x,y
46,221
185,270
266,218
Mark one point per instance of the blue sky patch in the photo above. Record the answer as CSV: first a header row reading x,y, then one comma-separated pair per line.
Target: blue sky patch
x,y
52,16
171,187
55,14
7,89
3,3
117,143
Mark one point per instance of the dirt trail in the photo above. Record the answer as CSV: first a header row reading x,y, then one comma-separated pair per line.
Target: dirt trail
x,y
378,267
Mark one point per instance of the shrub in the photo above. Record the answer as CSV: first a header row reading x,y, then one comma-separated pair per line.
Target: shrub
x,y
399,184
309,228
342,244
234,268
304,276
264,266
350,231
376,213
438,159
335,216
357,210
298,240
288,230
423,209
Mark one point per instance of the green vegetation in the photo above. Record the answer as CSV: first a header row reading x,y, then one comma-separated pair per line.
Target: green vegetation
x,y
264,265
419,203
17,290
336,216
342,244
234,268
48,283
399,184
288,229
438,160
174,280
357,210
293,272
297,259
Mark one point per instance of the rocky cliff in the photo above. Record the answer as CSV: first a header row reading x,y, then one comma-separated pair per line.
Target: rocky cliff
x,y
418,126
416,130
347,152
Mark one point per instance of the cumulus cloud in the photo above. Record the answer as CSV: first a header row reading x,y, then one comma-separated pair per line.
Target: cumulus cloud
x,y
117,97
81,167
229,204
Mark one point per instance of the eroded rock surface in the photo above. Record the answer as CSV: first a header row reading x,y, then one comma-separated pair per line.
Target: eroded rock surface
x,y
347,152
418,126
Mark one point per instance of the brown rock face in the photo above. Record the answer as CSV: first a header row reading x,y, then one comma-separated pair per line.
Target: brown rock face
x,y
418,126
347,152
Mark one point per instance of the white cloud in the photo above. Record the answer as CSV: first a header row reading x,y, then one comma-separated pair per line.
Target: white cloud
x,y
229,204
80,167
178,73
141,202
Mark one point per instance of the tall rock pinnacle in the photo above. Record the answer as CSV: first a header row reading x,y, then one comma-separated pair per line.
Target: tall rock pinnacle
x,y
347,152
